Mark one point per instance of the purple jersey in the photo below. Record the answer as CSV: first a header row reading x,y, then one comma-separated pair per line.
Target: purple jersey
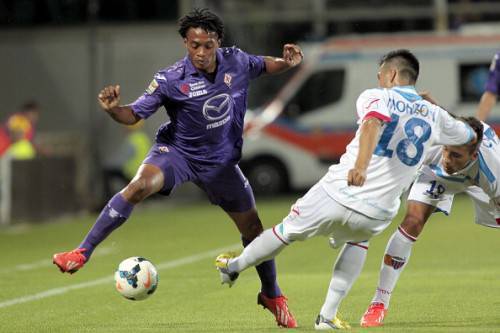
x,y
206,118
493,83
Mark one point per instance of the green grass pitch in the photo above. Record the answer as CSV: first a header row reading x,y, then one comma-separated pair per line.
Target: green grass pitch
x,y
452,283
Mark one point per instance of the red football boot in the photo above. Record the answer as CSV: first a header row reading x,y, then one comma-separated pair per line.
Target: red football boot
x,y
71,261
374,316
279,308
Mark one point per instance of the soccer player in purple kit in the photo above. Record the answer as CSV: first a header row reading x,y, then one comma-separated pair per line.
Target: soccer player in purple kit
x,y
492,89
205,95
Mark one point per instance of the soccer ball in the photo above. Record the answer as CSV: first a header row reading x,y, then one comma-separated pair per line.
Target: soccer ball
x,y
136,278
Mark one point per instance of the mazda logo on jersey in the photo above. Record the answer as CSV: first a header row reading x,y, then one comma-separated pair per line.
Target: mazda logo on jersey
x,y
217,107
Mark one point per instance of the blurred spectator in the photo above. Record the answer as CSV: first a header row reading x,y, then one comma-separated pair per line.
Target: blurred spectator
x,y
4,140
16,137
120,168
25,120
20,148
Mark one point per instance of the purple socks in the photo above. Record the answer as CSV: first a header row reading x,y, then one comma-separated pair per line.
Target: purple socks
x,y
114,214
267,275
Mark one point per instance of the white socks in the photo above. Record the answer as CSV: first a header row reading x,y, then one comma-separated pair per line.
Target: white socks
x,y
266,246
345,271
396,256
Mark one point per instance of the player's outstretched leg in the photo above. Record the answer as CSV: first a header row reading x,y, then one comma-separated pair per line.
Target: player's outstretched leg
x,y
267,275
250,227
345,271
149,180
114,214
261,249
397,254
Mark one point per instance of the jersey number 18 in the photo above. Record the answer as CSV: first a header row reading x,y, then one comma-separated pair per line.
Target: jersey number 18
x,y
412,138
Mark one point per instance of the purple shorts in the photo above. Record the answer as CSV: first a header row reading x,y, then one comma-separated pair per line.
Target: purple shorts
x,y
225,185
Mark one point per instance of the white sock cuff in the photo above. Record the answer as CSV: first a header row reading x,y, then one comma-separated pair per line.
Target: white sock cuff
x,y
406,236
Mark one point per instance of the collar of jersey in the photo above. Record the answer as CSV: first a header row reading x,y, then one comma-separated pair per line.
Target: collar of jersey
x,y
485,169
189,68
408,92
409,87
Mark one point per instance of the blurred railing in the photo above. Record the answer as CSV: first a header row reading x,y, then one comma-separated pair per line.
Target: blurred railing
x,y
48,186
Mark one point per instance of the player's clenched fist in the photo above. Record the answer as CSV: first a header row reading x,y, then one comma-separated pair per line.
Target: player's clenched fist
x,y
109,97
356,177
292,54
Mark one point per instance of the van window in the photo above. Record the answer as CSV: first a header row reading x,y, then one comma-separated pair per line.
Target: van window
x,y
320,89
473,77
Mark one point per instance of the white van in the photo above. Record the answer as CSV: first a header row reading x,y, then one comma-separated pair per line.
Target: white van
x,y
306,127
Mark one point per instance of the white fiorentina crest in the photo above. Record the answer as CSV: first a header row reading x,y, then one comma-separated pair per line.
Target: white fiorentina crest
x,y
163,149
227,79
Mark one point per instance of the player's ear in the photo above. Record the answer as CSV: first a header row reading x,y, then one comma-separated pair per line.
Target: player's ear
x,y
394,74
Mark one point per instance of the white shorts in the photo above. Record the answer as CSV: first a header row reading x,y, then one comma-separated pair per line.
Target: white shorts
x,y
316,213
425,189
428,190
485,211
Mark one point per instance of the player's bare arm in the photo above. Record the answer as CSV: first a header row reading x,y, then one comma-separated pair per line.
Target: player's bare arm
x,y
487,102
109,100
370,132
292,56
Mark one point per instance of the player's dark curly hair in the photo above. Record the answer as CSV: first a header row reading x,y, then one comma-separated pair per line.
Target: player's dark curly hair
x,y
477,126
201,18
406,62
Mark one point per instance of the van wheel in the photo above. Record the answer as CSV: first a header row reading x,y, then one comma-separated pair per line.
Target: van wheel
x,y
267,176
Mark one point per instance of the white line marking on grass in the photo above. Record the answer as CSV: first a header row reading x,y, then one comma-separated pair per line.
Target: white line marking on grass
x,y
161,266
48,262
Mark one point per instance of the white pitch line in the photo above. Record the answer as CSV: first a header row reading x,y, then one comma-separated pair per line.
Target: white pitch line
x,y
161,266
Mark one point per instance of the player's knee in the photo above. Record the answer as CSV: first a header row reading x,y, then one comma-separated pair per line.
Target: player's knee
x,y
248,224
253,229
413,224
137,190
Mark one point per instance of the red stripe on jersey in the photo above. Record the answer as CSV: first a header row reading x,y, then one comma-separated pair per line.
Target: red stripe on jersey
x,y
375,114
276,234
373,101
407,235
359,245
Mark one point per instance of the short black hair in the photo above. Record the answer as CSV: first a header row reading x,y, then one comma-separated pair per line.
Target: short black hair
x,y
478,128
201,18
406,63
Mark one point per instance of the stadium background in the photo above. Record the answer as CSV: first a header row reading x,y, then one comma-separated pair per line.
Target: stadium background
x,y
60,53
